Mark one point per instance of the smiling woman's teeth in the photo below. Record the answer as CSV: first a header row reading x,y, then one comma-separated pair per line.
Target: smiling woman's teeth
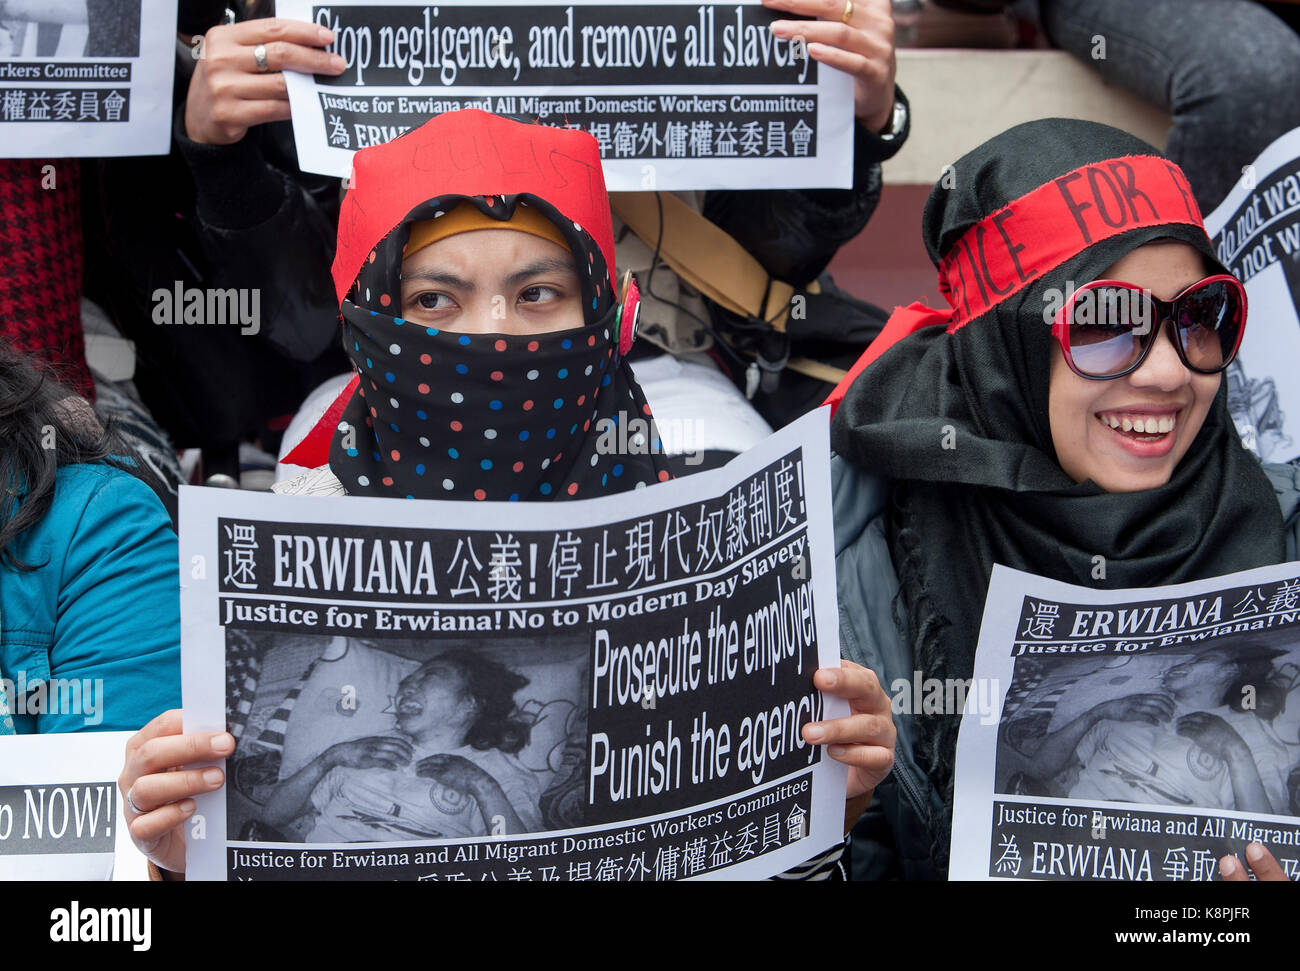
x,y
1140,425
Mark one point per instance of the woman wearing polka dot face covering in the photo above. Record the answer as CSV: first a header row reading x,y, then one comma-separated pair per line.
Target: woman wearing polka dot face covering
x,y
475,279
484,327
494,377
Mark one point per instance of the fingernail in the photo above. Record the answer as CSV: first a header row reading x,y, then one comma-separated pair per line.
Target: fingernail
x,y
1228,866
1254,852
337,62
223,744
325,34
814,733
212,777
835,751
832,679
186,806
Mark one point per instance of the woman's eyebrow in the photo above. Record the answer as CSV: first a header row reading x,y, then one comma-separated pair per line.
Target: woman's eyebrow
x,y
538,267
446,279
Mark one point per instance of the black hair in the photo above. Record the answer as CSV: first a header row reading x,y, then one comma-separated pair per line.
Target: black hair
x,y
1256,687
43,427
492,685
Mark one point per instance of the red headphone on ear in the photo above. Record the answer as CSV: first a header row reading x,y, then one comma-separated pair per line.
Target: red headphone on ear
x,y
629,312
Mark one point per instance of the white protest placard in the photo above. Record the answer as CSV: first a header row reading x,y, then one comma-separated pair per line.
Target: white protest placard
x,y
1136,735
602,689
680,95
1256,233
61,817
86,78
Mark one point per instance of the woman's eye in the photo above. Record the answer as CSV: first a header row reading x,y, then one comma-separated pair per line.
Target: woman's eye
x,y
539,294
433,301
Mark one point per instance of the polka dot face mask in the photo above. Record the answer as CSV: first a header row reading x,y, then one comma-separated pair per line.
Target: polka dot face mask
x,y
444,415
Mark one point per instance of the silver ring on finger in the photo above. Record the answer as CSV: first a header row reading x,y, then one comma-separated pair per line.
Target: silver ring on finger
x,y
131,803
259,55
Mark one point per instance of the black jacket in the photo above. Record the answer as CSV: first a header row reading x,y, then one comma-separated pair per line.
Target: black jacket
x,y
214,217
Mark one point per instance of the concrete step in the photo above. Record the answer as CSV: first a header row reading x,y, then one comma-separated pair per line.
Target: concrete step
x,y
961,98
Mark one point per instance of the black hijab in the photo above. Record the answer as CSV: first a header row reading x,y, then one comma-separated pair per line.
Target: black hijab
x,y
997,494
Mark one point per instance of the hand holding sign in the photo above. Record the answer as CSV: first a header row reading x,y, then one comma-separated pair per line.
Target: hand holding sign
x,y
1262,864
861,46
153,782
864,741
231,93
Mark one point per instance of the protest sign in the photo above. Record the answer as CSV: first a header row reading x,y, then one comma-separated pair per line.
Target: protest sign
x,y
61,816
679,95
86,78
1142,734
604,689
1256,234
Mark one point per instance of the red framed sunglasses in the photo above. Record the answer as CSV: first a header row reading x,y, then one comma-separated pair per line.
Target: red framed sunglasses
x,y
1107,328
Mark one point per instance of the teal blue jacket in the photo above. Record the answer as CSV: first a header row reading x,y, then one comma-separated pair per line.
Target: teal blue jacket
x,y
98,623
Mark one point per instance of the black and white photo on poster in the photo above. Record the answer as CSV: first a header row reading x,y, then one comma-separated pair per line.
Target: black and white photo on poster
x,y
1144,734
508,693
1256,234
1256,408
679,95
86,78
1198,725
346,740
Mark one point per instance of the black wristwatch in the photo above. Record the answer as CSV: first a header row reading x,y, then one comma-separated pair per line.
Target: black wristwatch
x,y
897,123
885,145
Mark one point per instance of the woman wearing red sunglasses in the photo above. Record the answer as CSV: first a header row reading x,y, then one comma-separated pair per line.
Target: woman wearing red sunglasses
x,y
1124,403
1077,431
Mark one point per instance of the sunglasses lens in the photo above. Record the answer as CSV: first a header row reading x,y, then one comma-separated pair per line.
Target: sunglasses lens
x,y
1209,324
1109,328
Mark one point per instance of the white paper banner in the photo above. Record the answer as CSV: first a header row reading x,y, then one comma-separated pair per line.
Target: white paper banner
x,y
1130,734
87,80
1256,233
655,649
680,95
61,816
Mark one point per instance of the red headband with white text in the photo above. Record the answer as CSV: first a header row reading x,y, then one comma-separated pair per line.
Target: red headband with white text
x,y
1034,234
